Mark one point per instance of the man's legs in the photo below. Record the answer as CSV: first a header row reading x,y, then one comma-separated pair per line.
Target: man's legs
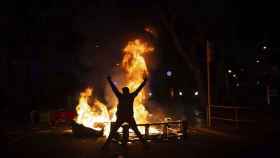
x,y
113,131
125,135
137,132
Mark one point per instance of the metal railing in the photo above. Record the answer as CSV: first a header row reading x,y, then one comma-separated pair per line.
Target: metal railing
x,y
235,119
182,126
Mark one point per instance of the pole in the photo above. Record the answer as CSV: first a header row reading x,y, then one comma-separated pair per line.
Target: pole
x,y
268,94
209,54
227,91
208,96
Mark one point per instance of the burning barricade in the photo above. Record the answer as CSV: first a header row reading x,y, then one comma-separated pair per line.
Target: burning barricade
x,y
95,115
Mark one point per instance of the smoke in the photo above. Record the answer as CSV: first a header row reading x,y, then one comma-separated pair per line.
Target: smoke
x,y
158,113
97,59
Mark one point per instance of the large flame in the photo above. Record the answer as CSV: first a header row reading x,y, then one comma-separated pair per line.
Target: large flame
x,y
135,68
93,115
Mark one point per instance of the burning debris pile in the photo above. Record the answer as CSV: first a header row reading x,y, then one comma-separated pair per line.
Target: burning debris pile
x,y
93,114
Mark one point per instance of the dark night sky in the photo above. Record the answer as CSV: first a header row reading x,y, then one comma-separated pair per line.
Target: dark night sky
x,y
53,43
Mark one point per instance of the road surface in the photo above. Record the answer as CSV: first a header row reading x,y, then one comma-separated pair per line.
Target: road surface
x,y
60,143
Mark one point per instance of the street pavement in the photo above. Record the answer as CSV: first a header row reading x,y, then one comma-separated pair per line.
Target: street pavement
x,y
59,142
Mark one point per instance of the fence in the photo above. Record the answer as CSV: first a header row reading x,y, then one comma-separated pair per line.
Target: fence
x,y
235,114
182,127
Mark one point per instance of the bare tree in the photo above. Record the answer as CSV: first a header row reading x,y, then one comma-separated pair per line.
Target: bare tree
x,y
189,54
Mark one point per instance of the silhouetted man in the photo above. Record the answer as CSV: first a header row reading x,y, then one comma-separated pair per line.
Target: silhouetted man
x,y
125,112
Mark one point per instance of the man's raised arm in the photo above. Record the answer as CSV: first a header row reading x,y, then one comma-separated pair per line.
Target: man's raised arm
x,y
114,88
140,87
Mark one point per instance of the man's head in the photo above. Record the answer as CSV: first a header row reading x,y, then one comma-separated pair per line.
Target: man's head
x,y
125,90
